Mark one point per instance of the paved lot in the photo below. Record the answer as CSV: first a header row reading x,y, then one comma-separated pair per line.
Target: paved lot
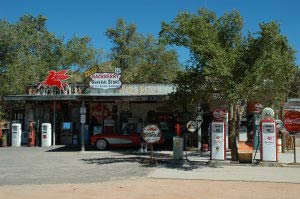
x,y
37,165
62,174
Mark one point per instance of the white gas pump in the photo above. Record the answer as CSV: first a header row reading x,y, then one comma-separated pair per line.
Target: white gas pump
x,y
16,135
46,135
268,134
218,136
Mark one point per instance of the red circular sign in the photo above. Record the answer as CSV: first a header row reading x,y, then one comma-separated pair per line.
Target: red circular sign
x,y
218,114
292,121
151,133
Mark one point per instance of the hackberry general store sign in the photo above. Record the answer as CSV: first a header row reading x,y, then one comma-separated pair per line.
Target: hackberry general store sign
x,y
105,80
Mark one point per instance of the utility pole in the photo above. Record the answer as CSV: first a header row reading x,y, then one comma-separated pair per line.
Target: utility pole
x,y
82,121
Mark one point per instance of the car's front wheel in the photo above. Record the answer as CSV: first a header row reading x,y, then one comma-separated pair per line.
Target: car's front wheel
x,y
101,144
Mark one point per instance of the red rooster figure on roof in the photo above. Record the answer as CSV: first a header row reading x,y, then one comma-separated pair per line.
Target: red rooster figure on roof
x,y
55,79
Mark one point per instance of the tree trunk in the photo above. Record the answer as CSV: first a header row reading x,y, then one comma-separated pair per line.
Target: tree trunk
x,y
233,134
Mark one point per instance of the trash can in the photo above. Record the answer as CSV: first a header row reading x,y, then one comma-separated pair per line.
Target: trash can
x,y
177,148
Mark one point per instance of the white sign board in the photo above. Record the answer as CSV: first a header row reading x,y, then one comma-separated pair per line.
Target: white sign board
x,y
105,80
151,134
82,119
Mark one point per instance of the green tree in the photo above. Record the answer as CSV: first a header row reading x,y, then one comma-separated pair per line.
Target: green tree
x,y
238,68
141,58
28,51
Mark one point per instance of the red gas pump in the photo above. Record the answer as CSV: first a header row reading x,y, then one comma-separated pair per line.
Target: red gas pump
x,y
178,129
31,134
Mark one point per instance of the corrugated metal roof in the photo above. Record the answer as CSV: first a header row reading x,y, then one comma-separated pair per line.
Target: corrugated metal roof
x,y
292,104
134,92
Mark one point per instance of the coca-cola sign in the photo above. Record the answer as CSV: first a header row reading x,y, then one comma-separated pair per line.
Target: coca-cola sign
x,y
292,121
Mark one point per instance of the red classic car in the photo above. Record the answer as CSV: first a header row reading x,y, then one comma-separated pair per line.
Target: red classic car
x,y
102,141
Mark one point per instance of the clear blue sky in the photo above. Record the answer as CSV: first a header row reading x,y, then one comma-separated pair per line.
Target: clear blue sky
x,y
92,17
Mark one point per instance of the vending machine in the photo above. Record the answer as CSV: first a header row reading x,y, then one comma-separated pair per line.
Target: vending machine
x,y
268,141
66,133
218,136
16,135
46,135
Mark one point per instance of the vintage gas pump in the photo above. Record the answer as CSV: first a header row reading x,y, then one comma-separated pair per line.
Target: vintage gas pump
x,y
178,129
16,135
268,134
31,134
177,143
46,135
218,136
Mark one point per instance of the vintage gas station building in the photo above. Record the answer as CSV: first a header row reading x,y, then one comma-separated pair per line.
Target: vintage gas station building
x,y
107,110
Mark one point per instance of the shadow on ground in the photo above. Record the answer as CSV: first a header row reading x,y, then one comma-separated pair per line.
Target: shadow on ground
x,y
125,150
158,161
131,155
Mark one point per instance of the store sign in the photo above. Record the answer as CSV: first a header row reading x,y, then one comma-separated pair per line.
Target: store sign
x,y
292,121
105,80
99,112
82,119
91,71
151,134
56,79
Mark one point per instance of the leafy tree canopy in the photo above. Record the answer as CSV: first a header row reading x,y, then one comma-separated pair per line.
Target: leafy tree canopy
x,y
259,66
141,58
28,51
238,67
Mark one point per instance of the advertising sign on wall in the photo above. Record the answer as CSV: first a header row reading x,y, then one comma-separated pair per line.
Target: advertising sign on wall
x,y
56,78
105,80
151,134
292,121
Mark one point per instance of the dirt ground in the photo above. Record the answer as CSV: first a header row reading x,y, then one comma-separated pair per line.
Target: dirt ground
x,y
154,188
